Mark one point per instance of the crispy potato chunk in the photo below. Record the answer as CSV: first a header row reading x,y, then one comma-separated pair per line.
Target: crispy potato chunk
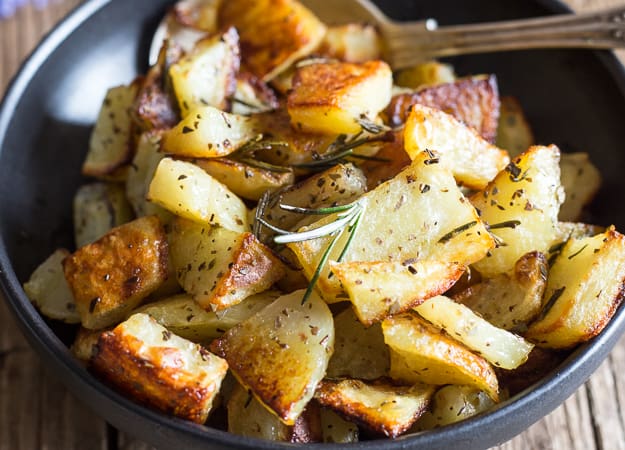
x,y
331,98
186,190
473,160
352,42
207,76
584,288
220,267
185,317
282,352
444,226
160,369
473,101
48,290
198,14
274,34
581,181
510,301
422,353
111,142
335,429
381,406
245,180
85,344
452,404
359,351
378,289
154,107
98,207
394,160
513,131
114,274
253,96
207,132
429,73
499,347
521,206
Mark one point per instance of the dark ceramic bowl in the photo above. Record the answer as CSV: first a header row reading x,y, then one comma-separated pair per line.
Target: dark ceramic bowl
x,y
573,98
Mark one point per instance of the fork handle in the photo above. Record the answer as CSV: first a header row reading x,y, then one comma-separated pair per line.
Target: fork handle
x,y
409,43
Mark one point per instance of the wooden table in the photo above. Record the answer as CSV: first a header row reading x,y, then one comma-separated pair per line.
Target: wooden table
x,y
37,412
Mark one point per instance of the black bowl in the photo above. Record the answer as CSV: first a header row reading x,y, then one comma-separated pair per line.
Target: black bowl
x,y
574,98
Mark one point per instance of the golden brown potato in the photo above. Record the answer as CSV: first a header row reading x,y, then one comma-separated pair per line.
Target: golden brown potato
x,y
154,107
332,98
274,33
111,276
359,351
473,160
282,352
521,207
584,288
513,131
429,73
154,366
207,76
421,353
510,300
252,95
378,289
383,407
48,290
220,267
473,101
198,14
352,42
581,181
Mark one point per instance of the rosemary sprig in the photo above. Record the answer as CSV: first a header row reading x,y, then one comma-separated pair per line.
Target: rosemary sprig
x,y
247,154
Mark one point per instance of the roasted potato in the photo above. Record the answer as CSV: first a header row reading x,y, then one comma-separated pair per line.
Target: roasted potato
x,y
429,73
513,131
158,368
111,276
352,42
252,96
581,181
335,429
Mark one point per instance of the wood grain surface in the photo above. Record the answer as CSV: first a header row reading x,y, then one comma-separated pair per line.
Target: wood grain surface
x,y
37,412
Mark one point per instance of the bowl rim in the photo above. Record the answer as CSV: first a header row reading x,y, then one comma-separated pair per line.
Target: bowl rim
x,y
120,411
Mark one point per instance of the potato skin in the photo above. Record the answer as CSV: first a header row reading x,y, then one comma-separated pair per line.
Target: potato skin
x,y
112,275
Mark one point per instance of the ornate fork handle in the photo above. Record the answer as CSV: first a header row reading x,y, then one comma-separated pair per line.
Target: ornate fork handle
x,y
408,43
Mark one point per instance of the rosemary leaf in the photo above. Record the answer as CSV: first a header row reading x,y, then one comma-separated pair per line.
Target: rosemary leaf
x,y
315,233
320,266
317,211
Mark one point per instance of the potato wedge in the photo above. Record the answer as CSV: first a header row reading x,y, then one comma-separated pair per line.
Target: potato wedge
x,y
473,160
185,317
584,288
513,131
111,141
282,352
154,107
444,225
274,34
380,405
510,301
451,404
352,42
378,289
429,73
245,180
48,290
111,276
359,351
160,369
335,429
498,346
98,207
421,353
521,206
198,14
393,159
332,98
220,267
85,344
252,96
473,101
581,181
187,191
207,76
208,132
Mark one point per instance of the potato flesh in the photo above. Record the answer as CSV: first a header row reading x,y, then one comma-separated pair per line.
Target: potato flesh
x,y
282,352
331,98
473,160
584,288
208,132
187,191
444,225
352,42
429,73
380,406
498,346
421,353
335,429
581,181
48,290
529,192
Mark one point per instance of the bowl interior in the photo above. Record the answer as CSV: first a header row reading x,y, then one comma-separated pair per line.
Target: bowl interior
x,y
575,99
